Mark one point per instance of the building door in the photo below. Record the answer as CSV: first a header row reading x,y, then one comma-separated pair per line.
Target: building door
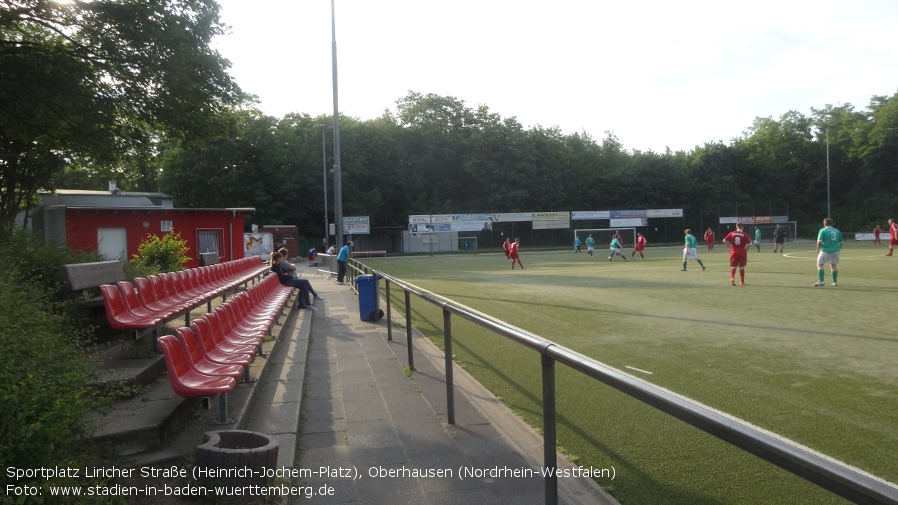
x,y
112,243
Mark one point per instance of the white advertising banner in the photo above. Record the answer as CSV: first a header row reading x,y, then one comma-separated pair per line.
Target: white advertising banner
x,y
551,220
653,213
510,217
356,225
630,222
588,215
472,222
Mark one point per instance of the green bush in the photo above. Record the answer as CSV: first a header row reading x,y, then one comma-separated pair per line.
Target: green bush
x,y
45,365
167,253
44,368
38,262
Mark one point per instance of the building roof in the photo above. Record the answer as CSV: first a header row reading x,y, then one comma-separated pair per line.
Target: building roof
x,y
105,193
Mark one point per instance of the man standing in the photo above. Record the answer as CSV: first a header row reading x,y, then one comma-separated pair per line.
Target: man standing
x,y
758,238
616,248
709,238
590,246
738,241
829,244
876,233
513,253
342,258
640,245
577,243
779,239
506,246
689,252
893,235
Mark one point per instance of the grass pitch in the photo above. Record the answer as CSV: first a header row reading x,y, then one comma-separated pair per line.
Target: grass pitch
x,y
818,365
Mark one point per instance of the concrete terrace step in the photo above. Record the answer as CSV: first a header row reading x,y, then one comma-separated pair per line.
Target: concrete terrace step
x,y
157,426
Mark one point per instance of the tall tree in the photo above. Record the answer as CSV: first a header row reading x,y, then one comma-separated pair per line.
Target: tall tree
x,y
97,81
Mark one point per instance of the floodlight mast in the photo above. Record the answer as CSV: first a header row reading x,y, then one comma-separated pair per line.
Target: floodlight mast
x,y
324,129
338,186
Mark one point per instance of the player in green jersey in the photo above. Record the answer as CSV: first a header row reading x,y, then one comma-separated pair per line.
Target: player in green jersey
x,y
689,251
829,245
616,249
590,245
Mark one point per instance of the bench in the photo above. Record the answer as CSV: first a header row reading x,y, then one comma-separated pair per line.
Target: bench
x,y
86,278
209,259
368,254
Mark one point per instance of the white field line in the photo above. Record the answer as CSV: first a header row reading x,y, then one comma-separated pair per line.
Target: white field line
x,y
638,369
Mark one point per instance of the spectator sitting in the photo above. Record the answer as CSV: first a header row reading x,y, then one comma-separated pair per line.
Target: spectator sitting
x,y
289,268
278,266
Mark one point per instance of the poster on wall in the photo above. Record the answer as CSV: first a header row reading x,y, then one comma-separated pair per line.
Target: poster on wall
x,y
472,222
551,220
590,215
630,222
257,244
356,225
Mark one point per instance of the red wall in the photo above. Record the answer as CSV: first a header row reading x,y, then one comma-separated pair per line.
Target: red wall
x,y
82,225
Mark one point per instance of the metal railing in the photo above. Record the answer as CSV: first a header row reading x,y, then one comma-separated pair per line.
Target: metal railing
x,y
827,473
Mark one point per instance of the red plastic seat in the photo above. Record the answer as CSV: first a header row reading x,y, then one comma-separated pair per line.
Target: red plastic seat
x,y
199,362
162,294
147,296
129,296
176,291
201,327
215,325
186,381
119,316
213,353
229,328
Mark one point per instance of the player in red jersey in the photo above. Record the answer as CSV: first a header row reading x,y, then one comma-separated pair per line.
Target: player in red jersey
x,y
709,238
507,247
513,253
738,241
640,245
893,235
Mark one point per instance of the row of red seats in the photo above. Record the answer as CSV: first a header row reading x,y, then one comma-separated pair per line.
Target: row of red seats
x,y
207,359
157,299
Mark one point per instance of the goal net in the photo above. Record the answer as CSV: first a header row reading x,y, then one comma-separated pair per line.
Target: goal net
x,y
603,236
767,230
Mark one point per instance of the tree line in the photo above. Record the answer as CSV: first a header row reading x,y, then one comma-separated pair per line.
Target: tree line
x,y
87,95
433,154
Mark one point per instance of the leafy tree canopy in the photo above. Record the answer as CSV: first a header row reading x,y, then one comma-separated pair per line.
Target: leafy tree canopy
x,y
96,82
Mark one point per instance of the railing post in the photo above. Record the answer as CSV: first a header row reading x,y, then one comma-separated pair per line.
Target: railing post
x,y
389,312
550,461
408,329
447,344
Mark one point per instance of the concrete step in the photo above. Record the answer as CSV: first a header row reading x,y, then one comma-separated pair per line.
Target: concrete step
x,y
156,426
130,362
139,423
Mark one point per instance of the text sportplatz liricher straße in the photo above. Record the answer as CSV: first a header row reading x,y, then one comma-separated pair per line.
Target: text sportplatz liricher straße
x,y
33,476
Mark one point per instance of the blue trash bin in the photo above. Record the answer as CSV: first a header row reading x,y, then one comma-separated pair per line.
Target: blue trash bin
x,y
369,296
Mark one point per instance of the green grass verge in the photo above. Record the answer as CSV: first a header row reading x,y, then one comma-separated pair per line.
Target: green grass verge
x,y
816,365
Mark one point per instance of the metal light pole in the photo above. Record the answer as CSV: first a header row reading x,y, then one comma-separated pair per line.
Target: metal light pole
x,y
829,211
324,129
338,186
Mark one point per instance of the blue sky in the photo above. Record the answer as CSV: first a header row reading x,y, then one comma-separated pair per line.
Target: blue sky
x,y
657,74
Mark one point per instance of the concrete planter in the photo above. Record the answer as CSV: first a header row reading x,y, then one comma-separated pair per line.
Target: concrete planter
x,y
235,458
